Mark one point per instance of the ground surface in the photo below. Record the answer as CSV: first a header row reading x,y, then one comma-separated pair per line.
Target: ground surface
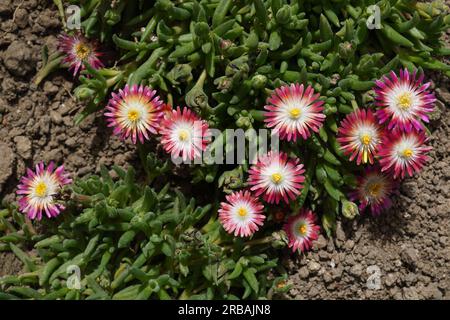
x,y
409,245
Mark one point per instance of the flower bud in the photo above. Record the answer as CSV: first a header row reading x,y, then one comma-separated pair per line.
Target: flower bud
x,y
368,97
279,239
346,50
84,93
259,81
232,179
349,209
223,83
225,44
244,122
196,98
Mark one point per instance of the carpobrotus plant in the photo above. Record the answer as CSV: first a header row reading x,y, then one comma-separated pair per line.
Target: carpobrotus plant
x,y
349,102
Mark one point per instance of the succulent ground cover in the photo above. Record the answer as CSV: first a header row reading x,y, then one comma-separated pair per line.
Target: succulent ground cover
x,y
228,81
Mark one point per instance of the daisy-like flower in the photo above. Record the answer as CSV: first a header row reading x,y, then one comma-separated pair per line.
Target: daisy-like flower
x,y
301,230
373,190
403,101
135,112
78,49
241,214
404,152
184,134
276,177
360,136
294,111
38,189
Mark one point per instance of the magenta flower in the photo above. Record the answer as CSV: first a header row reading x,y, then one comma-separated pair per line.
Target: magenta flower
x,y
276,177
134,112
403,153
373,190
77,49
184,134
301,230
294,111
38,190
360,136
241,214
403,101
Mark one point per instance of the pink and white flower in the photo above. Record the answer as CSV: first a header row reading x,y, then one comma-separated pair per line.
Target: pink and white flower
x,y
294,111
403,101
276,177
134,112
360,136
37,191
79,49
404,153
301,230
241,214
373,190
184,134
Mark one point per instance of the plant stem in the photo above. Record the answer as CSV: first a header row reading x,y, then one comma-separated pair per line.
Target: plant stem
x,y
60,7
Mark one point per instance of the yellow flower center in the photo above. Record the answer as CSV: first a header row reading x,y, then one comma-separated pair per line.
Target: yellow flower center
x,y
242,212
82,51
295,113
302,229
133,115
404,101
374,189
276,178
407,153
183,135
365,139
281,284
41,189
